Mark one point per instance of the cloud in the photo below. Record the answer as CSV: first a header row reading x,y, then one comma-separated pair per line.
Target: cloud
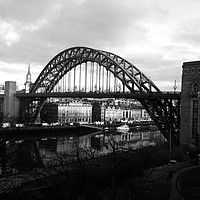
x,y
101,24
8,33
24,11
188,33
157,36
17,72
160,70
45,30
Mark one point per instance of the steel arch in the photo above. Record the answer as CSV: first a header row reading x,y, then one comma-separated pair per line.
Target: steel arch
x,y
69,58
163,112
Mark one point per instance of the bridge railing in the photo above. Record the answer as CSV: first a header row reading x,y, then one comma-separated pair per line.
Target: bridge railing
x,y
171,92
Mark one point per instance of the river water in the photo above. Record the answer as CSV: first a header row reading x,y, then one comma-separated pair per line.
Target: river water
x,y
25,154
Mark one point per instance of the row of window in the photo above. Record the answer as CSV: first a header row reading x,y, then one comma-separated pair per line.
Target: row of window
x,y
191,70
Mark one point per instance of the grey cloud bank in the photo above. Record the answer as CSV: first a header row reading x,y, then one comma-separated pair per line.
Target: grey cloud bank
x,y
154,35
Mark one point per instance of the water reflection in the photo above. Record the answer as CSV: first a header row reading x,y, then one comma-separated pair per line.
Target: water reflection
x,y
25,154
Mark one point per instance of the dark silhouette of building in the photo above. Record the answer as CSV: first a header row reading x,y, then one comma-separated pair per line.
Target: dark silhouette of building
x,y
96,112
1,109
49,113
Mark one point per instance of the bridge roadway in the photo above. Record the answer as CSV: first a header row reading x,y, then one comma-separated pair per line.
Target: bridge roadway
x,y
128,95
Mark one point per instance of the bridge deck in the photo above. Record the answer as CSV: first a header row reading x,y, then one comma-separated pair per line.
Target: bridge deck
x,y
136,95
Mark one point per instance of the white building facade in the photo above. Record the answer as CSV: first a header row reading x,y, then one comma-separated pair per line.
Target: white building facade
x,y
74,112
117,113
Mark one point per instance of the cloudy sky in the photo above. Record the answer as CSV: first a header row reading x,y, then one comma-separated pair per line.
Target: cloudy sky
x,y
157,36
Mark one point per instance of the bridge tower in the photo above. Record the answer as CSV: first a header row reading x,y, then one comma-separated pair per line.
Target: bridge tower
x,y
11,103
190,104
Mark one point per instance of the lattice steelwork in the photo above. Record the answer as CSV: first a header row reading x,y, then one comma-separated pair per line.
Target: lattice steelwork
x,y
83,69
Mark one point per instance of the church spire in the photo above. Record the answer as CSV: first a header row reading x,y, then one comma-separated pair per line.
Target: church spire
x,y
28,79
28,75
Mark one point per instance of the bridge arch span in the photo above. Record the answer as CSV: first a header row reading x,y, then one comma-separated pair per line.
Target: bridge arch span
x,y
163,111
70,58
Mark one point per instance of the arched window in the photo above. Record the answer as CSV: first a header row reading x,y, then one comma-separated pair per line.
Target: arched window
x,y
196,87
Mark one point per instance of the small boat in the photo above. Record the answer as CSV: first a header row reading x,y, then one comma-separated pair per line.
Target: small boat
x,y
123,128
106,129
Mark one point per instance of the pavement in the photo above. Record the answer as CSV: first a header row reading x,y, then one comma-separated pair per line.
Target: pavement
x,y
185,182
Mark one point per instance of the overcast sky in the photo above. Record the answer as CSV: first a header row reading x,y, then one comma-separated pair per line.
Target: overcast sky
x,y
157,36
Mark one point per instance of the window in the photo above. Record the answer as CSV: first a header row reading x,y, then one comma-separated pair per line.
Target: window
x,y
196,87
195,118
193,70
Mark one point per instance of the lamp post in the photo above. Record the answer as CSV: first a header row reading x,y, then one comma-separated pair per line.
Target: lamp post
x,y
174,87
170,144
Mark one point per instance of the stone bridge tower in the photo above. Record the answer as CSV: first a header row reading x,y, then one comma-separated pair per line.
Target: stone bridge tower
x,y
11,103
190,104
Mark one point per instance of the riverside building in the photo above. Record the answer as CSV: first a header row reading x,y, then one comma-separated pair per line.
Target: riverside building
x,y
74,112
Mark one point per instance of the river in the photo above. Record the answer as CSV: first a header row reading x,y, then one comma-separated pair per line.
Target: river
x,y
25,154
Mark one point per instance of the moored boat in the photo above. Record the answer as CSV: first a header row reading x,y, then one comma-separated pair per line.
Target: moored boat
x,y
124,127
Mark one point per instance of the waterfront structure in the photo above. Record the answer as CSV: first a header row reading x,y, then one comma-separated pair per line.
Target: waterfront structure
x,y
111,113
133,112
190,106
69,110
74,112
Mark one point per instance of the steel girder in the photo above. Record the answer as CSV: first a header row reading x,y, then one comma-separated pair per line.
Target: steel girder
x,y
164,112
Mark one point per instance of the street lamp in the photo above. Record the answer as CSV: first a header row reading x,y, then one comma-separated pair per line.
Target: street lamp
x,y
175,87
170,144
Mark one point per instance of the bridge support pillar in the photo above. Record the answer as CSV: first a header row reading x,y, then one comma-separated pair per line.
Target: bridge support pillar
x,y
190,104
11,103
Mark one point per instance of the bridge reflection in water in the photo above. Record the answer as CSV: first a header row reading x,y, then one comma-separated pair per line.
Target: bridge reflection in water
x,y
31,153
